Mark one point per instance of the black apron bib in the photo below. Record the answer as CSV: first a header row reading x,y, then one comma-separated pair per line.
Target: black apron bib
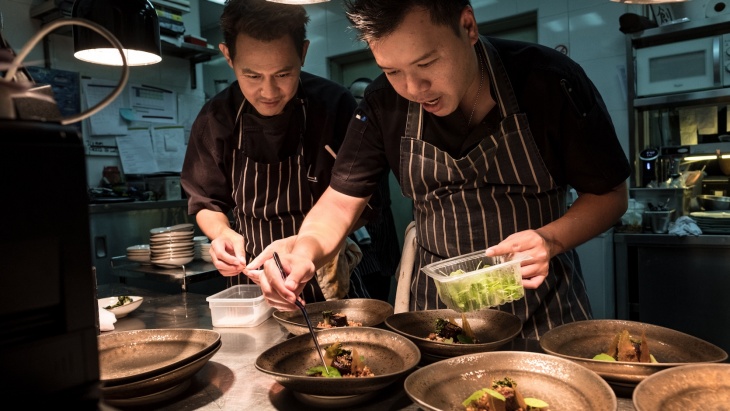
x,y
500,187
261,190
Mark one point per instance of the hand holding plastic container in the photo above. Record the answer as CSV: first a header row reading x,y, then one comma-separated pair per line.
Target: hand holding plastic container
x,y
474,281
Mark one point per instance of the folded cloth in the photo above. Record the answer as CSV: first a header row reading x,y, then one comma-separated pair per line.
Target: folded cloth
x,y
685,226
106,320
334,277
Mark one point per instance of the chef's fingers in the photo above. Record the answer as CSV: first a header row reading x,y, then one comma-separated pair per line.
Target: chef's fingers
x,y
281,246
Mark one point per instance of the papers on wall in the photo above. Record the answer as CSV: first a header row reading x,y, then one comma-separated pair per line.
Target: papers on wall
x,y
168,143
152,150
107,121
136,153
153,104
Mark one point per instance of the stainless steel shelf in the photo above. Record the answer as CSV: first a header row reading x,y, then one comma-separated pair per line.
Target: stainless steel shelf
x,y
192,272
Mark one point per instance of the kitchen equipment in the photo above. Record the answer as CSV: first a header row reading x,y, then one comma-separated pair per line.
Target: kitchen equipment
x,y
241,305
580,341
710,202
367,311
658,220
492,329
53,319
648,159
389,355
685,388
563,384
304,313
682,66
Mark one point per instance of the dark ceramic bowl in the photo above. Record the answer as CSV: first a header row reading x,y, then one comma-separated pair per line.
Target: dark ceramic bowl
x,y
563,384
693,387
369,312
129,356
389,355
492,328
159,386
580,341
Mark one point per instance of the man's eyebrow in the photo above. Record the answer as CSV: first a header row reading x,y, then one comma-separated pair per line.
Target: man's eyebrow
x,y
246,70
424,56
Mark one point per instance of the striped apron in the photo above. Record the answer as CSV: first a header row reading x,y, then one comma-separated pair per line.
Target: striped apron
x,y
500,187
261,191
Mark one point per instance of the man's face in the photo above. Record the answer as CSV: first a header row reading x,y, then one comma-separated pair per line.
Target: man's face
x,y
267,72
428,63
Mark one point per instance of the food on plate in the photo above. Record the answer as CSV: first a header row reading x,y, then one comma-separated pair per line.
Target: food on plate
x,y
502,396
341,363
331,320
121,300
624,347
448,331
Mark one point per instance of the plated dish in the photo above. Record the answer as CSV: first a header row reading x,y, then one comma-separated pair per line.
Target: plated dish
x,y
693,387
389,355
561,383
492,329
367,311
580,341
121,305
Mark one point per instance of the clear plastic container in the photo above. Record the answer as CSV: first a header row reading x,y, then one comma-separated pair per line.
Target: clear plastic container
x,y
479,281
239,306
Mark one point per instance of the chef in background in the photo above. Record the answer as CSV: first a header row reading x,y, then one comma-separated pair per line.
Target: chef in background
x,y
485,135
257,149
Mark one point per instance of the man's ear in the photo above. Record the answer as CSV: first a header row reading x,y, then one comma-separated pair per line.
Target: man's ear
x,y
305,47
224,49
469,23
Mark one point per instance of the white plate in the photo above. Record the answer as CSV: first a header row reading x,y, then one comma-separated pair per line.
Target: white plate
x,y
178,227
172,262
122,310
139,248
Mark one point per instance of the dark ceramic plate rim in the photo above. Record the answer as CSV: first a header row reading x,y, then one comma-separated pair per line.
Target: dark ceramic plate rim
x,y
652,383
158,383
630,378
427,345
378,381
456,361
314,313
164,368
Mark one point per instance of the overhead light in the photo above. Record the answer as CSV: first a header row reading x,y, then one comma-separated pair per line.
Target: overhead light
x,y
133,22
299,2
648,1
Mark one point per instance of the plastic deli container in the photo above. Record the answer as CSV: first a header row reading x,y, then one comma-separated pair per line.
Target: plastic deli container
x,y
474,281
239,306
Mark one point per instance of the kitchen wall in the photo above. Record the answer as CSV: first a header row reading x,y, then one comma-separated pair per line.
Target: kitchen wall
x,y
588,29
172,73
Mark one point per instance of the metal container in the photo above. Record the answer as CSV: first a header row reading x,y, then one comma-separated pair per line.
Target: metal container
x,y
710,202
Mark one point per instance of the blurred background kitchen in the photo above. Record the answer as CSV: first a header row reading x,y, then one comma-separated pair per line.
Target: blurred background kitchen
x,y
663,70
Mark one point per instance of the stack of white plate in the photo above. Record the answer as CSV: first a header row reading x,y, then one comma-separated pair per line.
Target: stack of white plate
x,y
712,222
139,253
198,241
173,246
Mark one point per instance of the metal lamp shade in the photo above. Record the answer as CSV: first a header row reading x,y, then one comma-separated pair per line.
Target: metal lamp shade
x,y
133,22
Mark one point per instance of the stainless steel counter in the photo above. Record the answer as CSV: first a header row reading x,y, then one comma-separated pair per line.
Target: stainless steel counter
x,y
230,381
